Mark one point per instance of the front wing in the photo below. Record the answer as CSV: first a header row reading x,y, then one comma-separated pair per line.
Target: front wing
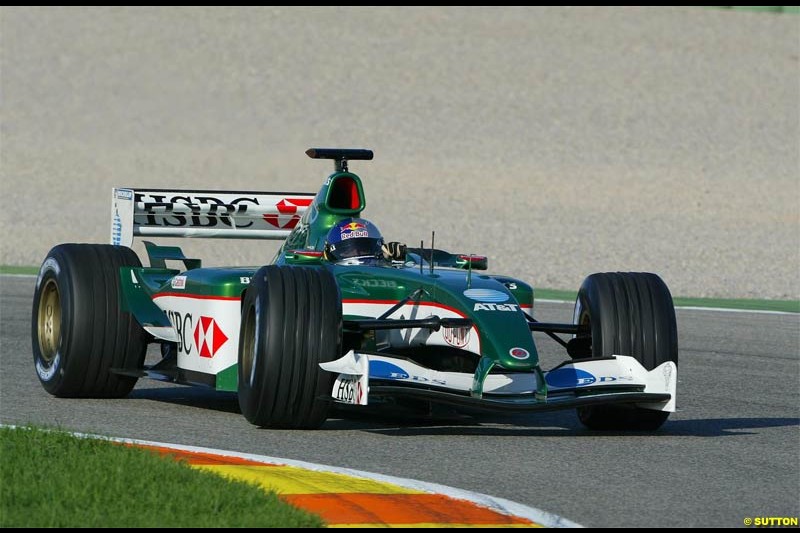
x,y
609,380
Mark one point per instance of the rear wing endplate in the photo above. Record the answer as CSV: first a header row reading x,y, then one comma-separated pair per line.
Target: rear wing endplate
x,y
210,214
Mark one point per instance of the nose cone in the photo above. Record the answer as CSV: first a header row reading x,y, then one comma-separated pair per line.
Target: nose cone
x,y
502,326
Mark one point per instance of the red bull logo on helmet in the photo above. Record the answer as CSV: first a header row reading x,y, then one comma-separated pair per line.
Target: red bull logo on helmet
x,y
353,226
353,230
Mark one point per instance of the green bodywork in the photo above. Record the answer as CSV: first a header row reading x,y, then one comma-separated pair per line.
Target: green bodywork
x,y
501,326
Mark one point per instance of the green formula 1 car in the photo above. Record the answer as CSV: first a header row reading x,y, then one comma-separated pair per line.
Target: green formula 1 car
x,y
338,316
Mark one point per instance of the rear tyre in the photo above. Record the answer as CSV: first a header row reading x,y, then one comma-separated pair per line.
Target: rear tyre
x,y
291,322
78,331
628,313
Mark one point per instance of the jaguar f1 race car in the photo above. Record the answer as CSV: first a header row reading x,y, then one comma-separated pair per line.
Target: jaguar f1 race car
x,y
322,325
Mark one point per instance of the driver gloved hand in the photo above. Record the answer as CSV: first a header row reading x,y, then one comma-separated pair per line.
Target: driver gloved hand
x,y
394,251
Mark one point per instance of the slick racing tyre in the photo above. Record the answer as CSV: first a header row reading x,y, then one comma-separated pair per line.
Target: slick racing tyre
x,y
78,331
628,313
291,322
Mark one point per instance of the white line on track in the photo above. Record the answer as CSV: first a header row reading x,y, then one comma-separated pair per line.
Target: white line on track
x,y
692,308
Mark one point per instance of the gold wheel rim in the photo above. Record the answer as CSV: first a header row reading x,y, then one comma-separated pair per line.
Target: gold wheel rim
x,y
584,319
49,323
249,346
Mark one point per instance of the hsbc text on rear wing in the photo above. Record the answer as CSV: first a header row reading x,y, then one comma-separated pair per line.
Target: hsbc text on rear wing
x,y
210,214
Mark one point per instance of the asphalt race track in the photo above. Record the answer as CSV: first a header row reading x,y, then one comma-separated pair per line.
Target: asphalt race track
x,y
731,452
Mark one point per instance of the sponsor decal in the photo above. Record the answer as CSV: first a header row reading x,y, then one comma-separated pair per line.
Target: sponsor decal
x,y
353,230
186,210
49,264
209,211
208,337
423,379
244,280
386,370
486,295
457,337
612,379
287,206
206,328
349,390
116,229
355,234
519,353
46,373
495,307
375,283
568,377
178,282
183,327
352,226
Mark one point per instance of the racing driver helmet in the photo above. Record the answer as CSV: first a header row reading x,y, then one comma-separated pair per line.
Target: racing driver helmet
x,y
353,241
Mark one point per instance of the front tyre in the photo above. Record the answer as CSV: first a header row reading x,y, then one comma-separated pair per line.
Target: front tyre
x,y
78,332
291,322
628,313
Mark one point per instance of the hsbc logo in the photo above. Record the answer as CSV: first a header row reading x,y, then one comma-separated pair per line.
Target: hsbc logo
x,y
206,329
217,210
187,210
288,217
208,337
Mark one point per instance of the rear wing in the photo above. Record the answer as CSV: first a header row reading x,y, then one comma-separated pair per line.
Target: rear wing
x,y
214,214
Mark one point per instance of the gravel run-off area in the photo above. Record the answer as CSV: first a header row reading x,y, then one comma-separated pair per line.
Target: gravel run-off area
x,y
557,141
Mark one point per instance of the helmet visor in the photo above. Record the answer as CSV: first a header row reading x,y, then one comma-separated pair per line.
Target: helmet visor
x,y
359,247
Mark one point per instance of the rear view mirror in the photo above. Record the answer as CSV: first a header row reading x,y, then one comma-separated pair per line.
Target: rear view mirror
x,y
303,257
478,262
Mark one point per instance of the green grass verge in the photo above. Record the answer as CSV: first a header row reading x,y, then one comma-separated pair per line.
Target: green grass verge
x,y
553,294
52,479
788,306
6,269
